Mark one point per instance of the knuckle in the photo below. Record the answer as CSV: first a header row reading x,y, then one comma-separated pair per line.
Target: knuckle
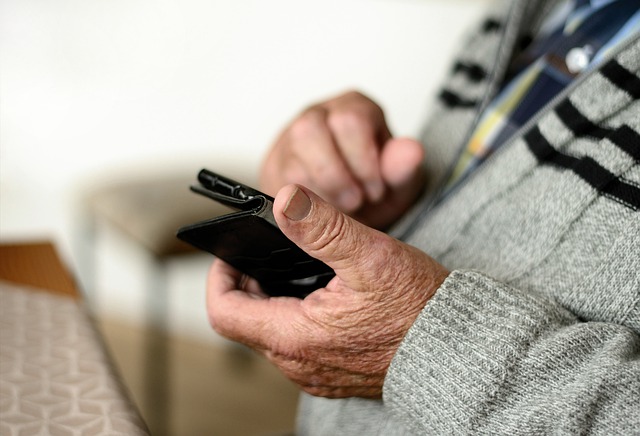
x,y
217,324
294,174
213,322
354,94
364,103
308,124
329,178
349,120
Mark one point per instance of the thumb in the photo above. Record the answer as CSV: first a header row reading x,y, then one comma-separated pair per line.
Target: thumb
x,y
356,253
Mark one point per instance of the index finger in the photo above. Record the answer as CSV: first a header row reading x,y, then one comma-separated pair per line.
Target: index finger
x,y
358,138
312,143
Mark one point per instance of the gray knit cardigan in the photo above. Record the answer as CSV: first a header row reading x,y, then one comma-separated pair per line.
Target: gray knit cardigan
x,y
536,330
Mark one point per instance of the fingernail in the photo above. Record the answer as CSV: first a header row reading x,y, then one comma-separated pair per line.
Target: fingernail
x,y
349,199
375,189
298,206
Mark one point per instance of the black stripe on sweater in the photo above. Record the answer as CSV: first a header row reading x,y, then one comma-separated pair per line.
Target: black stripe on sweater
x,y
586,168
622,78
625,193
474,72
627,140
453,100
491,25
623,137
577,122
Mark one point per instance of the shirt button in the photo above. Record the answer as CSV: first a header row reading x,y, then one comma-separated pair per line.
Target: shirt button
x,y
578,59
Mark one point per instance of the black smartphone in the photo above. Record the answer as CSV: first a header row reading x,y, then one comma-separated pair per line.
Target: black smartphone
x,y
249,239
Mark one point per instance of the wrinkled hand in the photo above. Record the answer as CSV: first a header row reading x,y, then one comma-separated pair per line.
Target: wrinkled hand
x,y
339,341
342,149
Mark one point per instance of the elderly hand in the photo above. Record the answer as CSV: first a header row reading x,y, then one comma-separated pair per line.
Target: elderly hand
x,y
339,341
342,149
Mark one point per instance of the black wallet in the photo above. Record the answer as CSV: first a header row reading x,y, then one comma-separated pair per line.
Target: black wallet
x,y
250,240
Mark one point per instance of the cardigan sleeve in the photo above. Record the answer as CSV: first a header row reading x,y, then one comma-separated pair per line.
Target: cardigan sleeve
x,y
486,358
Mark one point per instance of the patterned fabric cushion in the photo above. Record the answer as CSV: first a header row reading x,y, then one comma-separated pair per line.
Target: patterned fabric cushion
x,y
55,376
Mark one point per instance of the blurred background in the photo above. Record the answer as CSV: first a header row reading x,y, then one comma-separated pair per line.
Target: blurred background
x,y
108,109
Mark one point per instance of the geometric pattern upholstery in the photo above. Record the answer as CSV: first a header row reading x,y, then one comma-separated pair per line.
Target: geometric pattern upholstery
x,y
56,377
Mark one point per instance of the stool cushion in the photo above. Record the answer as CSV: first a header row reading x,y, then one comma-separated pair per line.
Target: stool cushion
x,y
152,210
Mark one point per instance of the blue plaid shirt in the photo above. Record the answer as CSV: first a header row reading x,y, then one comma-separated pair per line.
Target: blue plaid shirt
x,y
575,37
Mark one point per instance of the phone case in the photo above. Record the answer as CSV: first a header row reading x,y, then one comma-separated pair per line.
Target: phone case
x,y
251,241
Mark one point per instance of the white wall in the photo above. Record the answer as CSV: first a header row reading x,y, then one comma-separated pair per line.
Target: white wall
x,y
88,87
